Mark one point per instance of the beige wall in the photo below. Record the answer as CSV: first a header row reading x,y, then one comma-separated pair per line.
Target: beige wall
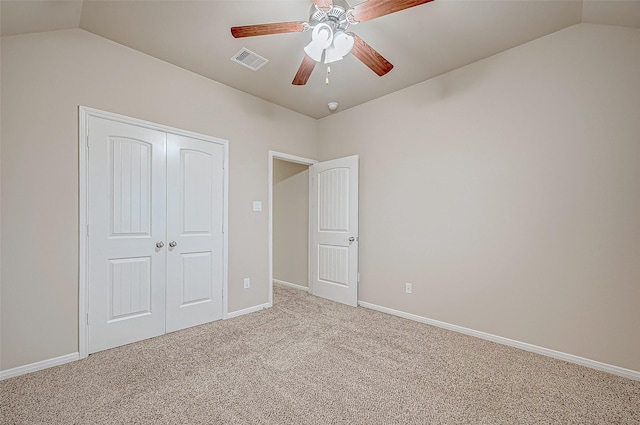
x,y
291,222
508,193
44,78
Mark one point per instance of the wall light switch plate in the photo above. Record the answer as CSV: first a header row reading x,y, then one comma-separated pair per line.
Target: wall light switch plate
x,y
247,282
257,205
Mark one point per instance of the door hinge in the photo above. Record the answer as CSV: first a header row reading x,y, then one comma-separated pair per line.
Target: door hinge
x,y
87,318
87,229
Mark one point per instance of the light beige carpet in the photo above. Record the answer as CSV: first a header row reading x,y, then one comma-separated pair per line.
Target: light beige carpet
x,y
311,361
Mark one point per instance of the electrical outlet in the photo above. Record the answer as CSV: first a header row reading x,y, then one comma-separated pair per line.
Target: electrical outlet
x,y
247,282
408,288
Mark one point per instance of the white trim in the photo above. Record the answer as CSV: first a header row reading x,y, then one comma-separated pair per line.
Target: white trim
x,y
225,235
593,364
291,285
298,160
248,310
84,113
83,205
34,367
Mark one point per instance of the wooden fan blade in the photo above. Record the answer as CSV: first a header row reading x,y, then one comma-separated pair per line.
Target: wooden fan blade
x,y
370,57
324,5
267,29
372,9
304,72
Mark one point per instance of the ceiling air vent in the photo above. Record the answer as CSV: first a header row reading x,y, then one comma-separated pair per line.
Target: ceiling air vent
x,y
249,59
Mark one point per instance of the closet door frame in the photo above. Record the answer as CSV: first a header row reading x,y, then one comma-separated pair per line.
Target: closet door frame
x,y
84,113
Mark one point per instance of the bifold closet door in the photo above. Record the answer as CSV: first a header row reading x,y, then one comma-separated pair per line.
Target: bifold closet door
x,y
126,233
195,186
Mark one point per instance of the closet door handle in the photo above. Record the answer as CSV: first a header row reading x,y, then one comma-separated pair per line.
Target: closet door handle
x,y
159,244
172,244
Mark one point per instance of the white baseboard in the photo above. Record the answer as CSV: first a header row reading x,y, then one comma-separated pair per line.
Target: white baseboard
x,y
34,367
291,285
44,364
615,370
248,310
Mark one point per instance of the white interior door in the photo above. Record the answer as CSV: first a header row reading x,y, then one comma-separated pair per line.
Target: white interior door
x,y
195,184
126,217
334,229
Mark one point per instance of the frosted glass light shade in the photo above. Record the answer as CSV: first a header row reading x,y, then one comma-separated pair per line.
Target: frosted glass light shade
x,y
314,51
332,55
342,45
321,38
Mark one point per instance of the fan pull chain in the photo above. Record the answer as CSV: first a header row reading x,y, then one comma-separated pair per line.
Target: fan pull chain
x,y
326,80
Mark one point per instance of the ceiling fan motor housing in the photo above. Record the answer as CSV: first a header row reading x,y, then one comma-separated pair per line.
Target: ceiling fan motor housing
x,y
336,17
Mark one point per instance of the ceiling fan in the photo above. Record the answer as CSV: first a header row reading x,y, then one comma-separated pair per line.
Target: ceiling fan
x,y
329,21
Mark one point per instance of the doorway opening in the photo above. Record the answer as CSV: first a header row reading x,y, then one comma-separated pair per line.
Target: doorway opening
x,y
289,221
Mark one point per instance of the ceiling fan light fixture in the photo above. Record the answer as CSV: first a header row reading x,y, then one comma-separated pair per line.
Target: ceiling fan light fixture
x,y
331,55
314,52
321,38
342,45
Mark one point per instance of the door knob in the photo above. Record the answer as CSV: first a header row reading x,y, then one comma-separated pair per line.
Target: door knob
x,y
352,239
172,244
159,244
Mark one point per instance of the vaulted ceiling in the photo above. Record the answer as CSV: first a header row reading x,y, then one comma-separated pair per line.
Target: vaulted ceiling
x,y
421,42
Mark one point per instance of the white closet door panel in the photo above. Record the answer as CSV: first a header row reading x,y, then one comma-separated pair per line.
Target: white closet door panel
x,y
130,164
197,274
130,287
195,184
196,191
126,218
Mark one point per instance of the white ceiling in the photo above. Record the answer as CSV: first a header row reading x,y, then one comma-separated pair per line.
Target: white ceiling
x,y
421,42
